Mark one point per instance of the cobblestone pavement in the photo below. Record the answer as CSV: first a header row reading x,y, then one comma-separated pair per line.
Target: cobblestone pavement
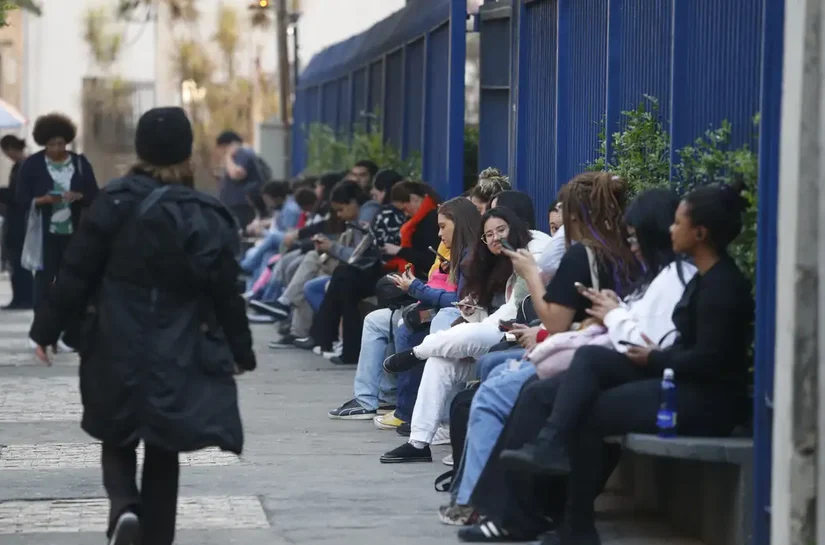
x,y
302,479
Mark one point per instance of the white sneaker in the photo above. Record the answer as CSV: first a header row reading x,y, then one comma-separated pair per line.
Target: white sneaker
x,y
336,351
63,348
442,436
317,351
448,460
126,531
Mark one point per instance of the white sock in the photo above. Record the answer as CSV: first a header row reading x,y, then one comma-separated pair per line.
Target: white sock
x,y
418,444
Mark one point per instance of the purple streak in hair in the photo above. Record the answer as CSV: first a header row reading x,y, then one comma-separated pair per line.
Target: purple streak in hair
x,y
617,281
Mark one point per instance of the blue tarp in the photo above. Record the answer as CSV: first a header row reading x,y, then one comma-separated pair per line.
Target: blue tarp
x,y
406,24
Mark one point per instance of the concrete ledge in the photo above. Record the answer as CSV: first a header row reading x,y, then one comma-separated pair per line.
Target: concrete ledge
x,y
730,450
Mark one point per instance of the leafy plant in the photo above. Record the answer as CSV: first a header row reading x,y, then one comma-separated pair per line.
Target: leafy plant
x,y
331,151
471,166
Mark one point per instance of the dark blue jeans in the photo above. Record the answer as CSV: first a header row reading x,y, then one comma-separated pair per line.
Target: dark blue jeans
x,y
407,383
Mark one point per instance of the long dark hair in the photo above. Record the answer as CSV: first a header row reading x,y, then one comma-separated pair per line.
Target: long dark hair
x,y
467,221
651,214
486,273
384,181
345,192
402,191
520,203
595,201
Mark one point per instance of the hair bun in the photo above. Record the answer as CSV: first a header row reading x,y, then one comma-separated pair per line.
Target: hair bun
x,y
732,194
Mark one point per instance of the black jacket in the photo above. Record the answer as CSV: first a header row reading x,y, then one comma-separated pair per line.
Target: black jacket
x,y
425,235
14,224
156,363
35,181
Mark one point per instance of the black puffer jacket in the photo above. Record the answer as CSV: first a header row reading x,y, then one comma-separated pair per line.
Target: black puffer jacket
x,y
157,352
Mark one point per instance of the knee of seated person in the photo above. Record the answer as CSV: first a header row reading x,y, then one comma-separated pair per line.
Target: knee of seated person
x,y
588,357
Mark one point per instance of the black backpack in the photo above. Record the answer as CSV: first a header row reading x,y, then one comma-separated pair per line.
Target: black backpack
x,y
263,169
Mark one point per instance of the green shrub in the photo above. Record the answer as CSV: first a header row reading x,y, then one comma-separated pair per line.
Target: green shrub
x,y
640,154
330,151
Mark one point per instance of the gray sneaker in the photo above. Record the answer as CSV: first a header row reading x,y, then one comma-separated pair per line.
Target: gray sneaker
x,y
352,410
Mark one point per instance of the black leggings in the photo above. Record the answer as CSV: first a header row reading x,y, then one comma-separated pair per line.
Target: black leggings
x,y
346,288
157,502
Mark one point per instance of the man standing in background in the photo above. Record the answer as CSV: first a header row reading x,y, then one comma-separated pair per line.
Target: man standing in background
x,y
242,172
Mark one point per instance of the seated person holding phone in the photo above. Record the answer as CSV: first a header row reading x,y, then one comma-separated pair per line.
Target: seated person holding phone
x,y
645,313
489,295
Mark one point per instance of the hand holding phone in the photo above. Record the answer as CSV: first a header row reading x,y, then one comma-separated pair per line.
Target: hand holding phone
x,y
506,325
506,245
628,343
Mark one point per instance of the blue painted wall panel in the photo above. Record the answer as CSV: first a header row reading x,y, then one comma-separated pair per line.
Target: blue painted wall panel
x,y
586,84
342,106
716,73
414,98
437,109
539,96
394,108
376,100
359,96
645,55
329,104
494,105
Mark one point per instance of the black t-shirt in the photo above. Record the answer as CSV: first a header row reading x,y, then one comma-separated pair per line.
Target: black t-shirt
x,y
575,267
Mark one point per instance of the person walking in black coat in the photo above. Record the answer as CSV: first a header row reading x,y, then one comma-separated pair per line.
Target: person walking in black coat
x,y
14,227
149,278
61,184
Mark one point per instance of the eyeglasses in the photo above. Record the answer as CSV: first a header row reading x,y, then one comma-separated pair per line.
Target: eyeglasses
x,y
490,236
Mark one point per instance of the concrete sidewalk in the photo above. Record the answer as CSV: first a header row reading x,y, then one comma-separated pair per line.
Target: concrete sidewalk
x,y
303,478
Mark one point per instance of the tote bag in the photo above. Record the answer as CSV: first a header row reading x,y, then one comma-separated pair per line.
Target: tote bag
x,y
32,257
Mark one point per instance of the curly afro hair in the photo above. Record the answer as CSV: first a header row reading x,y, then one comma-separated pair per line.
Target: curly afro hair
x,y
52,126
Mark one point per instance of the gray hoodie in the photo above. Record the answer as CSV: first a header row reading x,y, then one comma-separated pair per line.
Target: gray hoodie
x,y
346,244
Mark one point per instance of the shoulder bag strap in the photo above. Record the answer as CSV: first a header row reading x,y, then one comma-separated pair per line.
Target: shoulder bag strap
x,y
594,268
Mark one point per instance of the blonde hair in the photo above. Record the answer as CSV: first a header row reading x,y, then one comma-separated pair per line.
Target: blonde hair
x,y
177,174
491,182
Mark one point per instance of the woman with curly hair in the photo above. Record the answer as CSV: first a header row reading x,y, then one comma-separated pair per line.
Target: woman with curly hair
x,y
59,184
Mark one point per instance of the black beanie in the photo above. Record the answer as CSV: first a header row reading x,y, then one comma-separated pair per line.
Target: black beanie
x,y
164,137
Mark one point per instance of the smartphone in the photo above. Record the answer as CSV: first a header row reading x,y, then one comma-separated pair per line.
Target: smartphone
x,y
438,255
510,338
506,325
506,245
628,343
580,287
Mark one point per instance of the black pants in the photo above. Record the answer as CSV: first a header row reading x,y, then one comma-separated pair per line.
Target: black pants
x,y
157,501
243,213
604,394
518,501
347,287
22,281
54,246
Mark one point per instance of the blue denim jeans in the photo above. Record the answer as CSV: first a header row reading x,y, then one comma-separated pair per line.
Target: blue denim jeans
x,y
258,256
409,381
491,406
314,291
492,360
372,384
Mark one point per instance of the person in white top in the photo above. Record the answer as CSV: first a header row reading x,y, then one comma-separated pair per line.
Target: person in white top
x,y
646,312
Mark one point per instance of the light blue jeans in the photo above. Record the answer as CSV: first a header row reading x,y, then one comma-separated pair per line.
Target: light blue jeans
x,y
372,384
491,406
491,360
257,257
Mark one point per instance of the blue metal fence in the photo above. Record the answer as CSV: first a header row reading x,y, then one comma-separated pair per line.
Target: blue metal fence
x,y
409,68
576,63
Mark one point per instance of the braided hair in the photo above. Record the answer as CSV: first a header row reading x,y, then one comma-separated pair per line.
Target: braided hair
x,y
593,206
491,182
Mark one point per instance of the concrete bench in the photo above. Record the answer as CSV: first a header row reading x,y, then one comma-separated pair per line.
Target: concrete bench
x,y
702,486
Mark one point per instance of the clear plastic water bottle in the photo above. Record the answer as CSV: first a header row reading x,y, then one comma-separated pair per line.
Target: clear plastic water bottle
x,y
666,417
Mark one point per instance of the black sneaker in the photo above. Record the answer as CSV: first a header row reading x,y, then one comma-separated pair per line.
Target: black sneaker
x,y
305,343
404,430
276,310
127,530
337,360
287,341
407,453
351,410
255,318
400,362
541,458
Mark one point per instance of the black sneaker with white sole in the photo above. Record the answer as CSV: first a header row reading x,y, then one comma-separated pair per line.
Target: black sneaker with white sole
x,y
305,343
127,530
255,318
276,310
352,410
406,454
287,341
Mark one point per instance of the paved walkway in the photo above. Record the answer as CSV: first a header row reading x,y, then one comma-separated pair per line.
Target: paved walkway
x,y
302,479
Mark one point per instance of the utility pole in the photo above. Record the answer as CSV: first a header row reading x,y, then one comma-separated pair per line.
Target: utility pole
x,y
282,22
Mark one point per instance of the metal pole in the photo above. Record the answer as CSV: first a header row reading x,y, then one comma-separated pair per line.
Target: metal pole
x,y
283,60
296,61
